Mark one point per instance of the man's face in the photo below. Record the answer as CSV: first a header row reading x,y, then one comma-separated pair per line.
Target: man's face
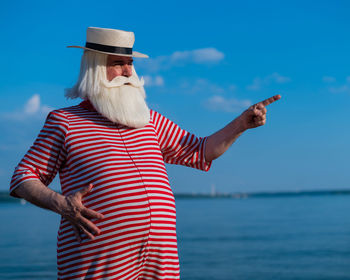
x,y
118,66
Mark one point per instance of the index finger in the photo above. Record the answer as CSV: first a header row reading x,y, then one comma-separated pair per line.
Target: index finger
x,y
270,100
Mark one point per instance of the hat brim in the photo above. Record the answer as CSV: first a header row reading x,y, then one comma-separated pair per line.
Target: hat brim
x,y
134,54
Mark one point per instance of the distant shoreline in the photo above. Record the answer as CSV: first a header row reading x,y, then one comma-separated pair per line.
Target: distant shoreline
x,y
5,197
240,195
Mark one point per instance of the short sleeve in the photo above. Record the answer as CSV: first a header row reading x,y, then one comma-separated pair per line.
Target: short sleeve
x,y
45,157
179,146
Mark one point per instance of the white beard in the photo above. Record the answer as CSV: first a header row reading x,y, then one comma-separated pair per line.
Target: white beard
x,y
122,101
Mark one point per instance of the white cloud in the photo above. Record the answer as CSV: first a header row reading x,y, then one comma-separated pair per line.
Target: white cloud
x,y
202,86
340,89
32,108
279,79
181,58
153,81
199,56
33,105
256,85
275,77
229,105
328,79
232,87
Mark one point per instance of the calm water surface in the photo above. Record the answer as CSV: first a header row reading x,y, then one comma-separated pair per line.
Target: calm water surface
x,y
306,237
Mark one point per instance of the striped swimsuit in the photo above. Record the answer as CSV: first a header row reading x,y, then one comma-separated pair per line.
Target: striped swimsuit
x,y
131,189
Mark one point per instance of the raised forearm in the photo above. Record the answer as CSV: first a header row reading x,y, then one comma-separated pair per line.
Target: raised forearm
x,y
220,141
38,194
253,117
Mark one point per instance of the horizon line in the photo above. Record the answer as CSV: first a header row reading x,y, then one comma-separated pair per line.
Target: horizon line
x,y
5,197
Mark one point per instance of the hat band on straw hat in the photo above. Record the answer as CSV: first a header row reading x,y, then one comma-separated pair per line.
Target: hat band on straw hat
x,y
110,49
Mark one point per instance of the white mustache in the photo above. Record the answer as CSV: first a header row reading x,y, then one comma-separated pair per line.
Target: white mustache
x,y
122,80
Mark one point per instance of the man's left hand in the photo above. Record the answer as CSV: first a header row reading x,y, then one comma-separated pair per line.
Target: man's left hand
x,y
255,115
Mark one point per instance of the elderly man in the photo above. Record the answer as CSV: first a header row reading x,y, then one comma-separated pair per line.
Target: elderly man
x,y
117,208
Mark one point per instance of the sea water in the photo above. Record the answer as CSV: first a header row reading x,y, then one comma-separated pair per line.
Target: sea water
x,y
289,237
296,237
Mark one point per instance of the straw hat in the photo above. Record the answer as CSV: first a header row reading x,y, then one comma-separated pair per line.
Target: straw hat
x,y
110,41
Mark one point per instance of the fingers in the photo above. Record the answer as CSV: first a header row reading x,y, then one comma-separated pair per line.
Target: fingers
x,y
270,100
261,108
91,214
84,191
79,216
82,225
260,123
89,227
76,233
255,115
87,233
260,118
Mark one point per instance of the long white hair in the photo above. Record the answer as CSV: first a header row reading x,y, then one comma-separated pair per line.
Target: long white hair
x,y
92,72
121,100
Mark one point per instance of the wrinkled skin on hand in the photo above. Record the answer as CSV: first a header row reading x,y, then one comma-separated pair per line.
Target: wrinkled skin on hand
x,y
79,216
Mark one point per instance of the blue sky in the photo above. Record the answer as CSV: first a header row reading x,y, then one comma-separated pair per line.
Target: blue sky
x,y
208,62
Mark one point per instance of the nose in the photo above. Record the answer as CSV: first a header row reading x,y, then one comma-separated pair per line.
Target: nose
x,y
127,70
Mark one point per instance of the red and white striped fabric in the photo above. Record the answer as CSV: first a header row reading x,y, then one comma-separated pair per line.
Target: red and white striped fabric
x,y
131,189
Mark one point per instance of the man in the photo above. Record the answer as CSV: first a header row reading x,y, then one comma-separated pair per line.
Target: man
x,y
117,208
